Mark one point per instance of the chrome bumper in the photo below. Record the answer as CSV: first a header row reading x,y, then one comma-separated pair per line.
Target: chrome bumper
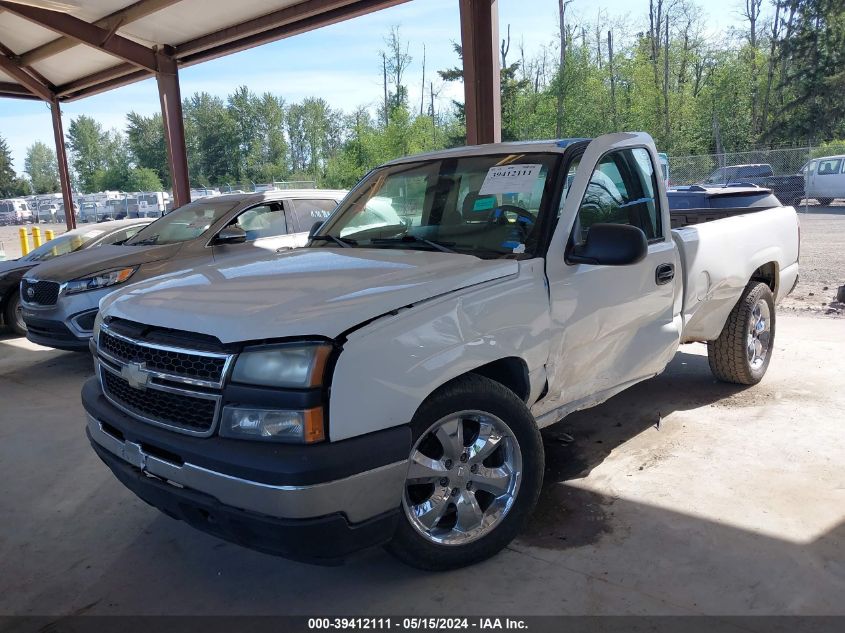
x,y
359,497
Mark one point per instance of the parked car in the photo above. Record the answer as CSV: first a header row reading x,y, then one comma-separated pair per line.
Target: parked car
x,y
826,179
387,383
87,237
15,211
60,310
788,188
703,204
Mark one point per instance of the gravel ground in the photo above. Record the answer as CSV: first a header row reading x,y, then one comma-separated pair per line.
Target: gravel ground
x,y
822,262
822,258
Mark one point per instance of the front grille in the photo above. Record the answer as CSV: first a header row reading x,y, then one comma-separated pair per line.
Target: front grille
x,y
44,293
209,368
193,414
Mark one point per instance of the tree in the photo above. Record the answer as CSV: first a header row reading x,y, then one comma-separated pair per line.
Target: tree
x,y
812,72
142,179
41,167
87,146
145,139
7,173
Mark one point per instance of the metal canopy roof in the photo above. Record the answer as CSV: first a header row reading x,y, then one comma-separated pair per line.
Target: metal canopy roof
x,y
104,44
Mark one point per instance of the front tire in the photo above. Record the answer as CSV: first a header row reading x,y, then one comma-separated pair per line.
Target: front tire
x,y
475,473
14,315
743,350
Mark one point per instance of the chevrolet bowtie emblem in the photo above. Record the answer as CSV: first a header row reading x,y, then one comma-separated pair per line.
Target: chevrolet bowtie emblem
x,y
136,375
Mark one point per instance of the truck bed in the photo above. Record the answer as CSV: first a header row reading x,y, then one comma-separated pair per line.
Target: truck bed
x,y
689,217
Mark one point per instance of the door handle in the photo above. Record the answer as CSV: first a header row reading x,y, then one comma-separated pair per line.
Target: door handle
x,y
664,274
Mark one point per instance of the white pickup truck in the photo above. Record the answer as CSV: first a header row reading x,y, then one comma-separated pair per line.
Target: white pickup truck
x,y
386,384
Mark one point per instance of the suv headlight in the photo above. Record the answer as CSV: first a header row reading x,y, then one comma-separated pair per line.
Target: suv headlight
x,y
293,366
100,280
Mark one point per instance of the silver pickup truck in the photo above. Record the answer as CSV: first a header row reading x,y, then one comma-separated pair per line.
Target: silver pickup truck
x,y
386,384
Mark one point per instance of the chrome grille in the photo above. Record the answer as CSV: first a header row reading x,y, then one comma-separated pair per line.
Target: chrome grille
x,y
165,408
205,367
172,387
40,292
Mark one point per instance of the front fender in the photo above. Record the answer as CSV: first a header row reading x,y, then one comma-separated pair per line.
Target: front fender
x,y
388,367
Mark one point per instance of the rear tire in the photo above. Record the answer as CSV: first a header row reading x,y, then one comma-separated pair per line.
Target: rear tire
x,y
12,315
475,474
825,202
743,350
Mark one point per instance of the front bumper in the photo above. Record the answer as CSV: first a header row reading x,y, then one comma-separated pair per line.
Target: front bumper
x,y
316,506
54,334
66,324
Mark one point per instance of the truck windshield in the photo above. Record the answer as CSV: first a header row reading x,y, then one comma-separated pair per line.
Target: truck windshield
x,y
183,224
486,206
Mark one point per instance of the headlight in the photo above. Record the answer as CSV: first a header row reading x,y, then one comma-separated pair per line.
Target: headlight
x,y
296,366
100,280
245,423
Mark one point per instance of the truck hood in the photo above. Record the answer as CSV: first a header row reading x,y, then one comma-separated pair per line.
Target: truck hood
x,y
93,260
306,292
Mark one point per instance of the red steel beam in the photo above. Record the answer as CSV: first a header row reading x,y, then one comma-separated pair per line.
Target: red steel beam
x,y
190,53
482,81
111,22
61,157
174,129
86,33
25,79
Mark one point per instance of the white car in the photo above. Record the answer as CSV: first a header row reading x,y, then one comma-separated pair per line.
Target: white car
x,y
387,383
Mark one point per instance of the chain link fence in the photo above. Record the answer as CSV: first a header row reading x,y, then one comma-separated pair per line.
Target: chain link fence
x,y
783,170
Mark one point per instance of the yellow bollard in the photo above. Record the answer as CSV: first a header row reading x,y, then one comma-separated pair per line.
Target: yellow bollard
x,y
36,237
24,241
49,235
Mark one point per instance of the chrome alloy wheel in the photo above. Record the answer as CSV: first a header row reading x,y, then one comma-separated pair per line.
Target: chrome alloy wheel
x,y
759,334
463,478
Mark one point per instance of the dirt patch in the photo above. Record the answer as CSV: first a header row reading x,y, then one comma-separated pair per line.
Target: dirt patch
x,y
568,517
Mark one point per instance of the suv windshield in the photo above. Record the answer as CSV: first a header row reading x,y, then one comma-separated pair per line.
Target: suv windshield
x,y
487,206
183,224
66,243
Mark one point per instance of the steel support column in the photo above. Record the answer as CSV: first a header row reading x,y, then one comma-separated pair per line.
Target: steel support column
x,y
482,81
174,129
61,158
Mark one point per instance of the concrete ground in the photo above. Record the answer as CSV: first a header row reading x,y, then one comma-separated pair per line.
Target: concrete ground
x,y
733,504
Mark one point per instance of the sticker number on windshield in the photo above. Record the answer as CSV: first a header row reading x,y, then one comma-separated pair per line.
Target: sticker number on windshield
x,y
511,179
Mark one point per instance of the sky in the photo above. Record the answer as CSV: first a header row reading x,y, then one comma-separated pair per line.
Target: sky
x,y
339,63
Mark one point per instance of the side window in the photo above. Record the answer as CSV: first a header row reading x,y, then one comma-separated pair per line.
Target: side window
x,y
830,166
622,190
266,220
307,212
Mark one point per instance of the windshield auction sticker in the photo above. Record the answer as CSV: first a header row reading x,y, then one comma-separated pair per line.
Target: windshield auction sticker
x,y
511,179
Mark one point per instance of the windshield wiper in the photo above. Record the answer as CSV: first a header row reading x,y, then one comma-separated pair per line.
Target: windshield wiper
x,y
408,237
345,243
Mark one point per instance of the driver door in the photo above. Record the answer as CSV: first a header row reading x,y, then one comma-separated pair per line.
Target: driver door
x,y
611,325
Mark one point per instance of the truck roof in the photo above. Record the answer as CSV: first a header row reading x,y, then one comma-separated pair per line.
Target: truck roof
x,y
516,147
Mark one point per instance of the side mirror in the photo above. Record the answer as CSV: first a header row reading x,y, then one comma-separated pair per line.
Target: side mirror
x,y
314,228
611,245
232,234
